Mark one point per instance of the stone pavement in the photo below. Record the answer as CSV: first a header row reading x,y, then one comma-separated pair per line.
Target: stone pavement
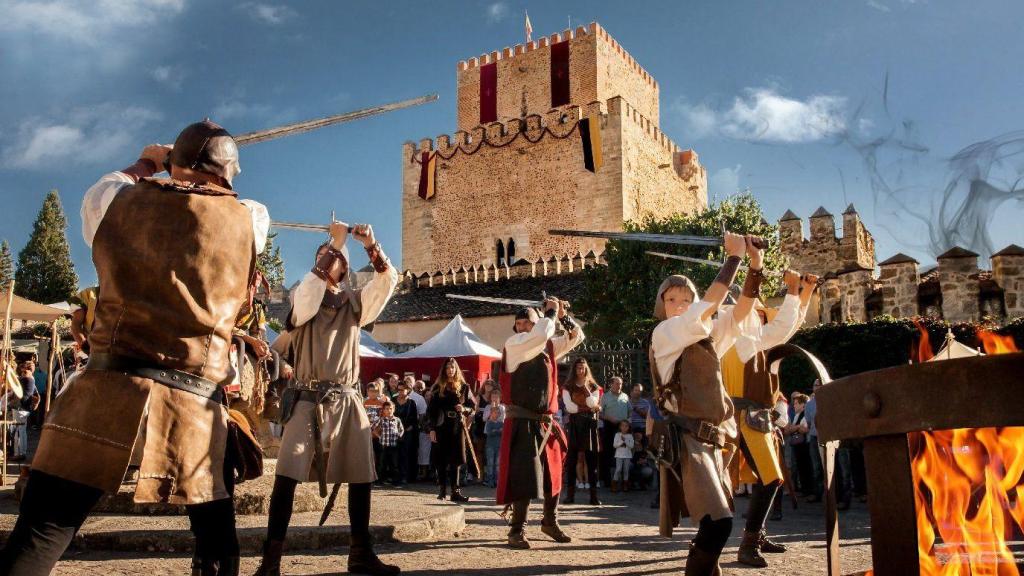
x,y
619,538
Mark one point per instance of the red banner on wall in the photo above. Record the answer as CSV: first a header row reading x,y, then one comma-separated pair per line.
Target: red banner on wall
x,y
560,73
488,93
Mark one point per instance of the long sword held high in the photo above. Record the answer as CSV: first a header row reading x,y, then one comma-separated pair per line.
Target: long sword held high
x,y
309,125
704,262
683,239
491,300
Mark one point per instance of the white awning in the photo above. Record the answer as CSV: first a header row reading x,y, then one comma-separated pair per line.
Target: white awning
x,y
454,340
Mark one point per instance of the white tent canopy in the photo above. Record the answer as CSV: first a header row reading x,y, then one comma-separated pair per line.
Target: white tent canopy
x,y
370,348
24,309
951,349
456,339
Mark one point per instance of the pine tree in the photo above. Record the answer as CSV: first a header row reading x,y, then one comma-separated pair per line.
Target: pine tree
x,y
270,263
45,271
6,266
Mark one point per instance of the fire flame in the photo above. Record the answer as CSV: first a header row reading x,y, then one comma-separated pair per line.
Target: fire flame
x,y
923,353
996,344
969,495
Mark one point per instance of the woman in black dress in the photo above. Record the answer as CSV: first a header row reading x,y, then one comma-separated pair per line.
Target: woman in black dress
x,y
582,398
448,416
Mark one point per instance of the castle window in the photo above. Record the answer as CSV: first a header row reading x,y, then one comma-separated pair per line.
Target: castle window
x,y
510,251
499,252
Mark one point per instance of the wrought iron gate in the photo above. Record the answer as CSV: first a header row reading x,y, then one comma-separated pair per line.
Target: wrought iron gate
x,y
626,359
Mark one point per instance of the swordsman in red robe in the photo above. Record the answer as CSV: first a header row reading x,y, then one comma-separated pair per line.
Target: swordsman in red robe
x,y
532,443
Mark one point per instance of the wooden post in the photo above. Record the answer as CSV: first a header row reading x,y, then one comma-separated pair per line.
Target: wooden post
x,y
893,514
5,358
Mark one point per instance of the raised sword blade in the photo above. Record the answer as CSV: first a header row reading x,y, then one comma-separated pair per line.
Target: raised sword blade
x,y
488,299
704,262
303,227
309,125
643,237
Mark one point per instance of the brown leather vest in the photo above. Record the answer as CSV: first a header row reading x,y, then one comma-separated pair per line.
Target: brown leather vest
x,y
696,384
174,262
579,393
759,384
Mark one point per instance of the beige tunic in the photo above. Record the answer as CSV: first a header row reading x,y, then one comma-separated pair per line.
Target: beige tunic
x,y
325,347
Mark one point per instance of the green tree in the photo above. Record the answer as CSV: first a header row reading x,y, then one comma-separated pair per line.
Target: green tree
x,y
45,271
618,299
6,265
270,263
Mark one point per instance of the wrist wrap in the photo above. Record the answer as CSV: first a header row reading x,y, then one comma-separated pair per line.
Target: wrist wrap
x,y
752,285
728,272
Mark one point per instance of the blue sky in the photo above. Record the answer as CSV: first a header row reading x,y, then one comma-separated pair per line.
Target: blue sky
x,y
883,103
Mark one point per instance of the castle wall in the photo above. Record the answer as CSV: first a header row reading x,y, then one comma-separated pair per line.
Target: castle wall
x,y
823,252
899,289
618,74
518,191
657,181
958,277
1008,272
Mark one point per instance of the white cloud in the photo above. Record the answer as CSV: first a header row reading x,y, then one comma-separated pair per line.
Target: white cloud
x,y
879,6
84,136
170,76
496,12
272,14
89,23
234,109
762,114
725,181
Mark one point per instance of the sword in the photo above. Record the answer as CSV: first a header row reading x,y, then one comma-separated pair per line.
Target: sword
x,y
469,446
318,450
330,503
509,301
309,125
705,262
686,240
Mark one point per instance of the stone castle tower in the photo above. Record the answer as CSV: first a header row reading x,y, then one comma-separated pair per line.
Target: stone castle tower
x,y
515,167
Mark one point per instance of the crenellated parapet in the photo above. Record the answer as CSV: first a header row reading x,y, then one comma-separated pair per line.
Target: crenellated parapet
x,y
485,272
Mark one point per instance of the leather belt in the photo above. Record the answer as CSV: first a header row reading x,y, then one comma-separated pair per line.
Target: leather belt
x,y
316,391
177,379
526,414
702,430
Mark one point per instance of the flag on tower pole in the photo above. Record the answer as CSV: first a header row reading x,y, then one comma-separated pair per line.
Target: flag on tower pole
x,y
529,28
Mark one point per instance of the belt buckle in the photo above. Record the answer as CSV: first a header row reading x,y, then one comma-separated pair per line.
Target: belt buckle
x,y
707,432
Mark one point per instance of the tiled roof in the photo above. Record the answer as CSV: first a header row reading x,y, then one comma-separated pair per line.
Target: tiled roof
x,y
431,303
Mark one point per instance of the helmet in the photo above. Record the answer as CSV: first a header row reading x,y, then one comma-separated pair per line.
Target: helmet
x,y
206,147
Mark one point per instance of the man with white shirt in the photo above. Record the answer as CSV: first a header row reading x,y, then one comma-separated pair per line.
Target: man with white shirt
x,y
532,443
754,395
323,412
174,258
686,348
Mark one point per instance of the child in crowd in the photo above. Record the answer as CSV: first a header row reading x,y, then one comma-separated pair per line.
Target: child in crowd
x,y
494,422
623,444
372,404
387,431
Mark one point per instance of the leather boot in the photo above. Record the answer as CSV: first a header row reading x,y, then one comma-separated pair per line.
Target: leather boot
x,y
228,566
362,559
517,534
549,525
767,546
615,486
270,565
594,501
458,496
701,563
443,493
570,494
749,553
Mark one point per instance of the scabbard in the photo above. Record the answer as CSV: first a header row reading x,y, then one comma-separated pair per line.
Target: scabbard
x,y
330,503
318,450
472,451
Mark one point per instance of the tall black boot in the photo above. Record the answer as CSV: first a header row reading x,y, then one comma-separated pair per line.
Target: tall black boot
x,y
570,493
228,566
549,525
517,525
594,501
453,479
270,565
363,560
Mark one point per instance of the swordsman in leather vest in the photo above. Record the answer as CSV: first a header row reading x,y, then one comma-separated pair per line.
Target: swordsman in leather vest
x,y
174,258
327,437
532,443
686,347
758,460
582,399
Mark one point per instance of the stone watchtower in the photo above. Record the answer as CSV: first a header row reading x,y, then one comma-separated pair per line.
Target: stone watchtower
x,y
521,162
823,253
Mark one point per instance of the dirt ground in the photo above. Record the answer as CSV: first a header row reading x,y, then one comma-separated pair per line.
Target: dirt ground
x,y
618,538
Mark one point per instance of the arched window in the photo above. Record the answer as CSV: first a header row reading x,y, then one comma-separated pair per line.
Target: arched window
x,y
499,252
511,251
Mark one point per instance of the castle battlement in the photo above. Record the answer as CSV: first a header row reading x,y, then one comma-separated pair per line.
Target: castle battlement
x,y
593,28
489,272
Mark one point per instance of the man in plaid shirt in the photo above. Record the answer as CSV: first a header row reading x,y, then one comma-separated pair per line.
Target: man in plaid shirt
x,y
388,430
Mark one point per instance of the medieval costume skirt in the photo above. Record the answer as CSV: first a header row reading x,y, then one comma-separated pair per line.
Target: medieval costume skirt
x,y
582,433
764,450
345,434
97,419
705,489
523,461
450,448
